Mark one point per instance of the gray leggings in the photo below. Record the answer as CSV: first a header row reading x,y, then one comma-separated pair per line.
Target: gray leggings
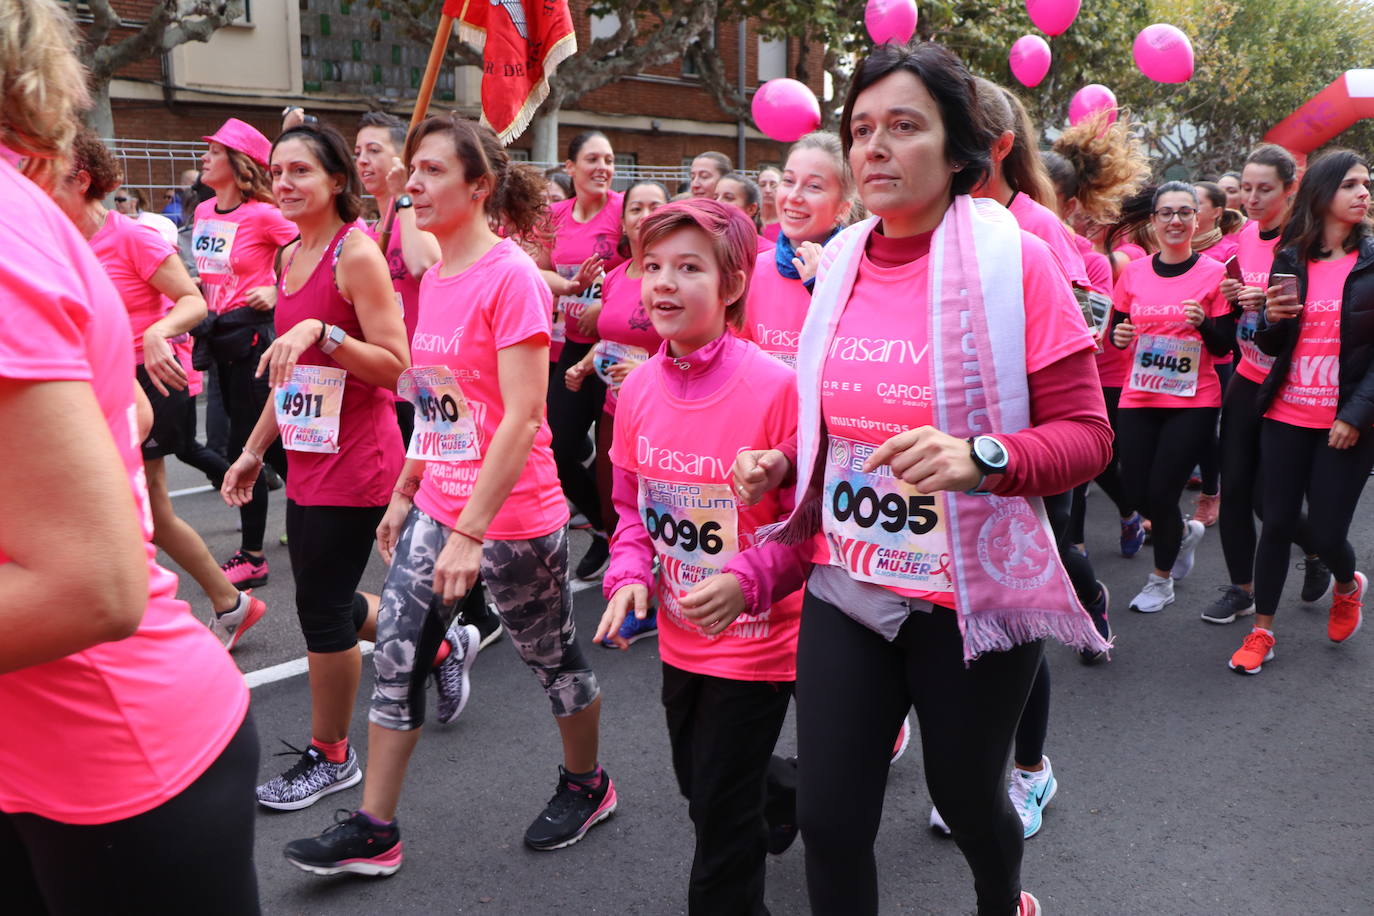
x,y
528,583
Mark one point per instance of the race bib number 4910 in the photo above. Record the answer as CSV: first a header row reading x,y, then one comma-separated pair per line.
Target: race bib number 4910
x,y
308,407
445,429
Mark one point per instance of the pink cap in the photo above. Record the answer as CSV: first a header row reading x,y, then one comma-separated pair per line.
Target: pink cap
x,y
244,137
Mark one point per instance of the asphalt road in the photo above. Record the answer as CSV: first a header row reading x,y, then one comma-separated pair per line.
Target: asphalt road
x,y
1183,787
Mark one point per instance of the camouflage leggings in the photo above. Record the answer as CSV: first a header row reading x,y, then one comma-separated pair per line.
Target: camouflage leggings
x,y
528,583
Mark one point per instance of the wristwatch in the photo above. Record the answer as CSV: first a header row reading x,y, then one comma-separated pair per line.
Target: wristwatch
x,y
990,457
404,201
331,338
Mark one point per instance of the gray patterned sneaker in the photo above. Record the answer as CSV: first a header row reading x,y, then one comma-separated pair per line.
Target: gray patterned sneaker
x,y
451,674
310,779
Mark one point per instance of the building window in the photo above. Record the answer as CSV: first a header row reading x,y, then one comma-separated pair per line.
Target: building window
x,y
605,26
772,59
689,66
346,50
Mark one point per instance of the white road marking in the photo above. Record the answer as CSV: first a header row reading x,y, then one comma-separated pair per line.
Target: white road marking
x,y
191,491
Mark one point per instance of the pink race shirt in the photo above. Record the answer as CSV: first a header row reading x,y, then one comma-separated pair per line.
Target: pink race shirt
x,y
1223,249
1308,396
117,729
1132,250
682,451
1167,353
131,253
574,243
499,302
1255,256
876,381
775,310
623,320
1042,223
1111,362
235,251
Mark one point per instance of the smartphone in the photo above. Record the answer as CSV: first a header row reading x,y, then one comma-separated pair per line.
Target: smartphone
x,y
1288,282
1233,269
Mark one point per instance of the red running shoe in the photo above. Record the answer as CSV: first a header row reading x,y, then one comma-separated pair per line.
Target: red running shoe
x,y
1346,611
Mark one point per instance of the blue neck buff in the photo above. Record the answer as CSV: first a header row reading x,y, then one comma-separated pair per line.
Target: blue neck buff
x,y
784,253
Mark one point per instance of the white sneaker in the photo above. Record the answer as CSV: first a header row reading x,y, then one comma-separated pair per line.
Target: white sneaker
x,y
1030,793
937,823
1192,536
1157,594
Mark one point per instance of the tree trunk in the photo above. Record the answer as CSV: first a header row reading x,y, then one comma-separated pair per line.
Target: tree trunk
x,y
100,118
544,135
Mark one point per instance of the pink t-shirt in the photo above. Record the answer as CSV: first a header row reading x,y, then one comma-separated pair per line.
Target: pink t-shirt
x,y
1223,249
876,381
623,319
1255,256
1132,250
131,253
775,310
1042,223
465,319
235,251
574,243
682,451
771,231
1111,362
1309,395
117,729
1155,307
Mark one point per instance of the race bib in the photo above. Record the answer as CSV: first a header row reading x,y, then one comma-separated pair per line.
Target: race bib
x,y
1166,365
445,429
558,333
1245,336
572,307
694,528
879,527
212,243
608,353
308,408
787,359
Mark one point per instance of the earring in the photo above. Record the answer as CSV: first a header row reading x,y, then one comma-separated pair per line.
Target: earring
x,y
476,195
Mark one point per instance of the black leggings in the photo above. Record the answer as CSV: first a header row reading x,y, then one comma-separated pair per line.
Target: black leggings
x,y
853,688
244,396
571,415
329,548
1298,463
1209,463
1240,474
201,457
1109,480
1159,446
191,854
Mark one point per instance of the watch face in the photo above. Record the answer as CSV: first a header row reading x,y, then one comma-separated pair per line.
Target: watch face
x,y
990,451
404,201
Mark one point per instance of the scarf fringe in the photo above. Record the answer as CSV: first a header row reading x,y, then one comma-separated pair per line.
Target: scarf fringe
x,y
1001,629
801,526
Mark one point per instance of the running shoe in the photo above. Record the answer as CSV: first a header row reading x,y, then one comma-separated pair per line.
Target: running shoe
x,y
310,779
594,560
353,844
487,622
1028,905
1157,594
1208,508
903,739
230,626
245,570
1234,602
1030,793
937,823
1098,612
1257,649
272,478
634,629
574,809
451,674
1132,535
1195,482
579,521
1192,536
1316,580
1346,611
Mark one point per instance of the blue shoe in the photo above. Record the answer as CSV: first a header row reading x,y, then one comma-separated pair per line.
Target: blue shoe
x,y
1030,793
1132,535
634,629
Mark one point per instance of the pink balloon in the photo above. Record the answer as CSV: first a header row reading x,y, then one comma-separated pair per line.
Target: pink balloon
x,y
1164,54
1030,59
1053,17
785,109
1091,99
890,20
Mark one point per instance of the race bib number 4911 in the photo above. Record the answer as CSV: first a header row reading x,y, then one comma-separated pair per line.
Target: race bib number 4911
x,y
308,407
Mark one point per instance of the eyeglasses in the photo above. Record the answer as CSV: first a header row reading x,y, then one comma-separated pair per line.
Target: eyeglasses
x,y
121,200
1184,214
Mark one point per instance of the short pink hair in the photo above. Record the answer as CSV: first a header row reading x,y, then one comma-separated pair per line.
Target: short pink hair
x,y
734,241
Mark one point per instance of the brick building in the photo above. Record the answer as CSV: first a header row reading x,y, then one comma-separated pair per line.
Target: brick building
x,y
340,57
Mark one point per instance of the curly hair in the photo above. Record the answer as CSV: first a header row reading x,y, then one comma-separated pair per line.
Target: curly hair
x,y
1109,163
42,84
249,177
91,156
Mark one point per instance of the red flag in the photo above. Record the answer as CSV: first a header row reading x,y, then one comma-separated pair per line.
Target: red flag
x,y
522,43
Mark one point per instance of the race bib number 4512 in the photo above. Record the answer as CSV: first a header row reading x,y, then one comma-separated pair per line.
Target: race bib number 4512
x,y
308,407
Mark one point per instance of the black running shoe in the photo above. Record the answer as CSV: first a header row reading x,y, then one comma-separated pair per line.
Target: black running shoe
x,y
1316,580
1098,612
480,614
352,844
595,558
573,810
1234,602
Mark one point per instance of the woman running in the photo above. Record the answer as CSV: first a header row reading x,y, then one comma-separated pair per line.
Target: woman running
x,y
127,737
333,368
627,339
236,239
1269,177
730,642
1168,312
485,498
768,180
148,273
903,613
587,228
1318,398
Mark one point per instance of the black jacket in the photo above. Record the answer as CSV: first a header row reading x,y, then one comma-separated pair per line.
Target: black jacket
x,y
1355,403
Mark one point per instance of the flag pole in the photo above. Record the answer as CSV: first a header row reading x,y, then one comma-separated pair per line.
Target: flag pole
x,y
436,60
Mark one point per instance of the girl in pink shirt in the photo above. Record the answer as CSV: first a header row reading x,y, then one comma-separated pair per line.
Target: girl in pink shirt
x,y
768,180
333,367
479,492
729,620
1168,312
1318,400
